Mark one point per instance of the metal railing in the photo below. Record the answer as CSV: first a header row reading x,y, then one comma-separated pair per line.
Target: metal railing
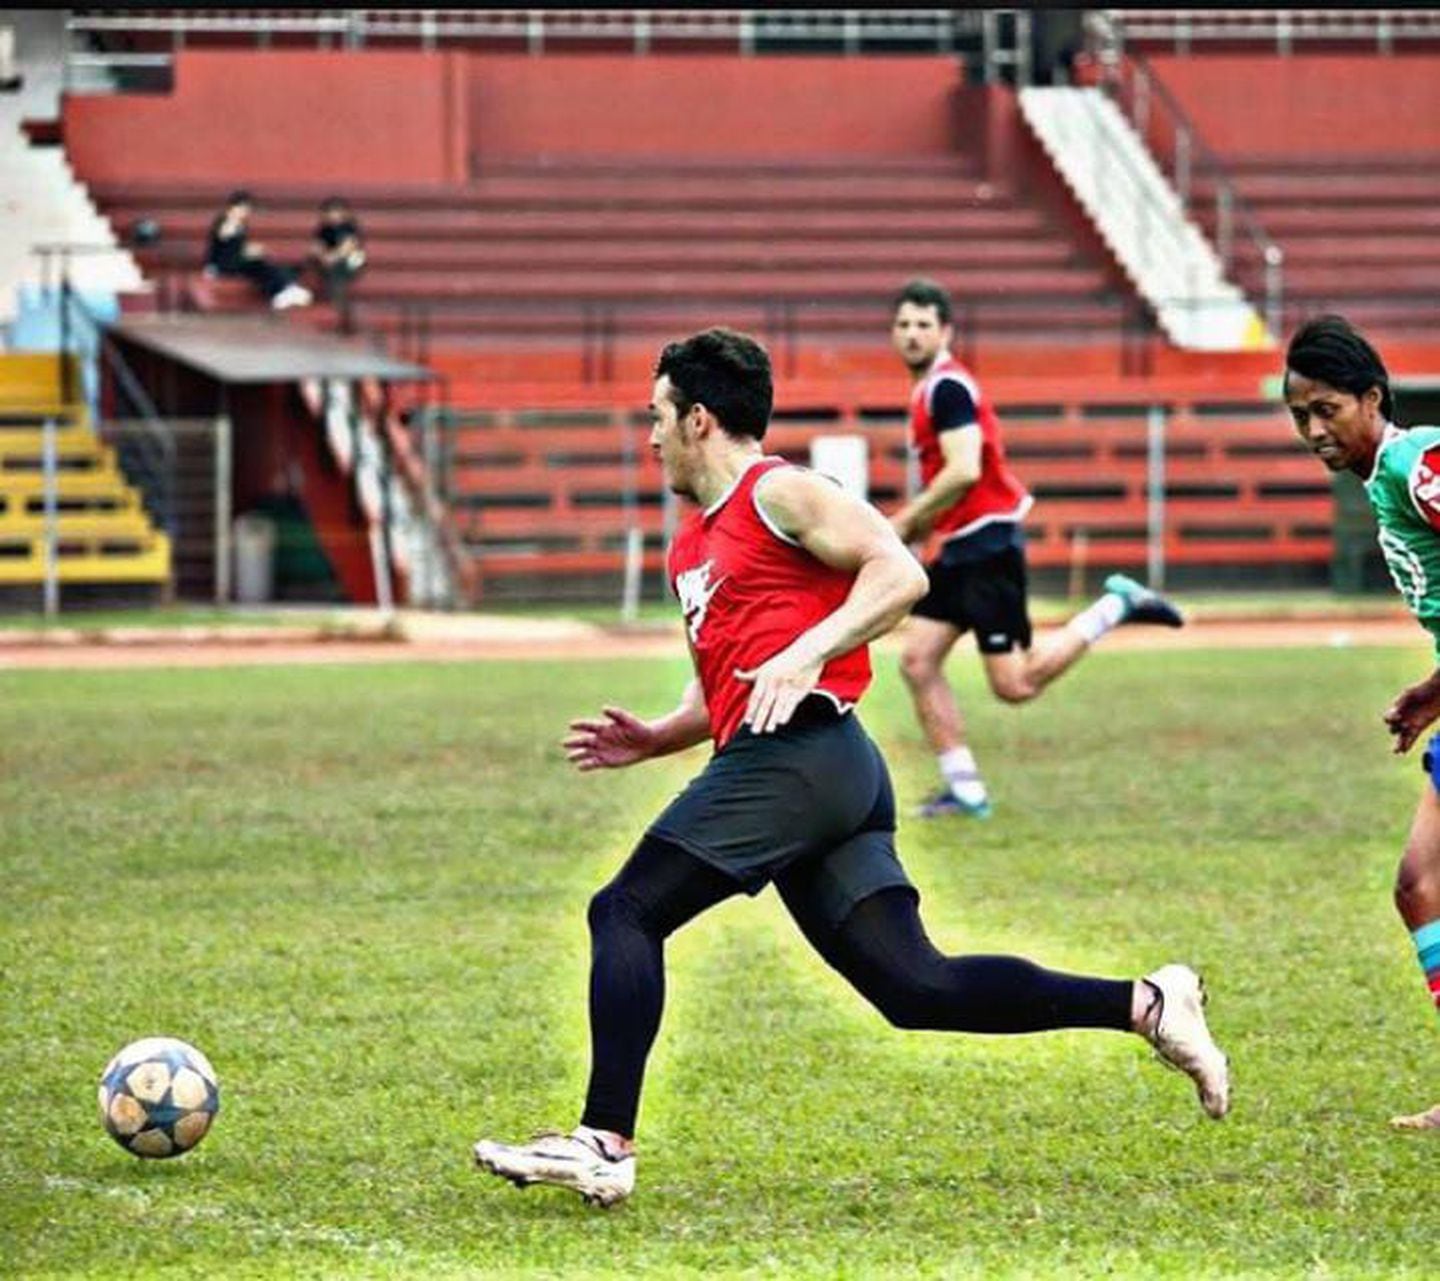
x,y
785,324
1003,49
1171,138
148,455
93,33
1285,28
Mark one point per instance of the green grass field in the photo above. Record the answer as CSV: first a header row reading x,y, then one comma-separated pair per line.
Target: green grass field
x,y
361,891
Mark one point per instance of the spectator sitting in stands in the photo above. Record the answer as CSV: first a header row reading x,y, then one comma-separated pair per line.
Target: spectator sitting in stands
x,y
230,253
339,253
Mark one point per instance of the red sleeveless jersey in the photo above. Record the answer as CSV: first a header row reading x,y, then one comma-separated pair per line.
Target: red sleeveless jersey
x,y
998,493
747,590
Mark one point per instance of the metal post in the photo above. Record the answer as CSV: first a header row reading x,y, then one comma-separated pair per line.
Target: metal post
x,y
989,40
222,508
1274,287
50,469
1079,555
66,381
1023,72
1182,165
1155,494
387,508
634,540
352,420
535,31
384,596
851,27
430,447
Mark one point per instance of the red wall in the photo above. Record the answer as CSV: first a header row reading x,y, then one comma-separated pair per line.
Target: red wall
x,y
280,116
1338,105
409,117
733,107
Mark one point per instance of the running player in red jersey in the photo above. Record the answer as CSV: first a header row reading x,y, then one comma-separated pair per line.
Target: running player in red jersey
x,y
975,504
783,579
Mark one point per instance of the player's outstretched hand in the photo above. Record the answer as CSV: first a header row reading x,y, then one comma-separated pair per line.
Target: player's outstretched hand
x,y
779,685
1410,714
618,740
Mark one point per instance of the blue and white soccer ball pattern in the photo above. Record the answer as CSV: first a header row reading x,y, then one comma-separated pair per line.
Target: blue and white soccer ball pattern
x,y
158,1097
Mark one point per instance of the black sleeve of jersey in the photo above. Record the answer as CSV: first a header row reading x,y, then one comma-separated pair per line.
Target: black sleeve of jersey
x,y
951,405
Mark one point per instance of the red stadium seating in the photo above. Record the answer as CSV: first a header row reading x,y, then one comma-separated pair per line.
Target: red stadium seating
x,y
552,255
1335,153
551,490
538,272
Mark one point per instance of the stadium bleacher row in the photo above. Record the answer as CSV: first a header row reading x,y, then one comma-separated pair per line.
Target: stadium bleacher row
x,y
1361,240
529,254
103,533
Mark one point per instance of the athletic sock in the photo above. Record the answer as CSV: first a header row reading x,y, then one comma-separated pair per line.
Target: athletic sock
x,y
958,769
1095,620
1427,951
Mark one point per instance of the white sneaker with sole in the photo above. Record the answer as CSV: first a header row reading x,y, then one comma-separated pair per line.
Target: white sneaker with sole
x,y
1428,1120
1183,1041
292,296
564,1160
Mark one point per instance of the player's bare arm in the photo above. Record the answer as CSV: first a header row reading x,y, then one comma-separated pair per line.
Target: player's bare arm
x,y
621,738
1414,711
844,533
961,448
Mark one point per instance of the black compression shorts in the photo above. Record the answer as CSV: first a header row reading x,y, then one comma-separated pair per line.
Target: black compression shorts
x,y
809,806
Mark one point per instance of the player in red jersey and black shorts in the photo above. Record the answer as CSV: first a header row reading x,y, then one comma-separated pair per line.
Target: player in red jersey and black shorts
x,y
783,579
974,504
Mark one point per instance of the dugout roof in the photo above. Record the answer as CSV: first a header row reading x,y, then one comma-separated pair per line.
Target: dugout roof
x,y
262,349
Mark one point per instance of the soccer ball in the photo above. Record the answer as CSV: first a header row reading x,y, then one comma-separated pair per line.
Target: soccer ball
x,y
158,1097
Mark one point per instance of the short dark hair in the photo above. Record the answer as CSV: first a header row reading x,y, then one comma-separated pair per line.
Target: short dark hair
x,y
925,293
728,373
334,202
1331,350
238,197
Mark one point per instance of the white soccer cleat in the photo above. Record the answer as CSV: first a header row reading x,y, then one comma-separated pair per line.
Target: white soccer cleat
x,y
564,1160
1183,1041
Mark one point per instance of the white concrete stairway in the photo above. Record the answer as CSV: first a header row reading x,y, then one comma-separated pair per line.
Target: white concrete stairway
x,y
41,201
1141,218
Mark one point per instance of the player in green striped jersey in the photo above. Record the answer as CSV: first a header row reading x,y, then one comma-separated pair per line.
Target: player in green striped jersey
x,y
1338,393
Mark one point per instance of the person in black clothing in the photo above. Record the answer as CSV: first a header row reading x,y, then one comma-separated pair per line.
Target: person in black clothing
x,y
230,252
339,253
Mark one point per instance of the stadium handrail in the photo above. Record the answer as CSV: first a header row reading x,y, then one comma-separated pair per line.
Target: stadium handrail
x,y
1286,27
747,31
1129,79
150,465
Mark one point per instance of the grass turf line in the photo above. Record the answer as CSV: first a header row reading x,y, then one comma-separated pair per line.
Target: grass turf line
x,y
362,894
